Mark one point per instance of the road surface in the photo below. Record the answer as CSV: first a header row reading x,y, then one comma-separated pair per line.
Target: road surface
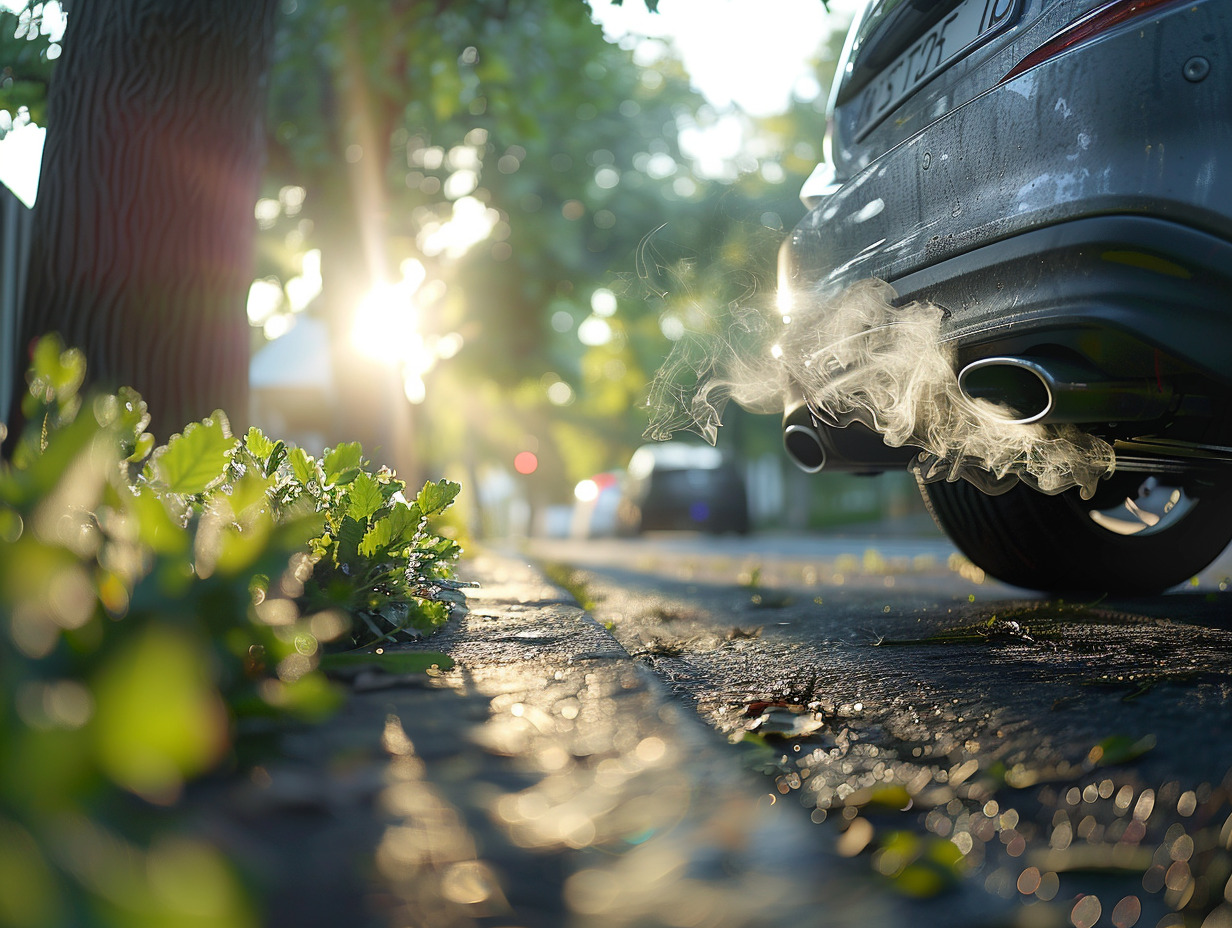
x,y
1003,757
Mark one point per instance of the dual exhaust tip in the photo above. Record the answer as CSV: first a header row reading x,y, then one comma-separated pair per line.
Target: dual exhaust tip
x,y
1023,390
1027,390
804,446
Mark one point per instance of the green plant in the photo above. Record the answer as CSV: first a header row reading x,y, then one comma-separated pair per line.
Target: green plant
x,y
375,557
150,613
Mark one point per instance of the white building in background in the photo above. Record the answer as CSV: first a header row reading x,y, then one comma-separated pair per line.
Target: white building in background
x,y
291,385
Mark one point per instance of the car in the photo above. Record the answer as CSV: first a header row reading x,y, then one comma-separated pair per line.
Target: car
x,y
595,503
682,485
1015,277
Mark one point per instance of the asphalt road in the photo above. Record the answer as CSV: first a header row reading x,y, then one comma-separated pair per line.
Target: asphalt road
x,y
1001,757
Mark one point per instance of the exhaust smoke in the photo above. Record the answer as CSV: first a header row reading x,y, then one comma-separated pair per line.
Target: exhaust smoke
x,y
858,358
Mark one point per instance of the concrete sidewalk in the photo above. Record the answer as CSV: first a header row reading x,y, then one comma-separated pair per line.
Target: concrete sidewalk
x,y
546,780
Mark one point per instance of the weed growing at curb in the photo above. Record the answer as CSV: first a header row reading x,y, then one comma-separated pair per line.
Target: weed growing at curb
x,y
572,582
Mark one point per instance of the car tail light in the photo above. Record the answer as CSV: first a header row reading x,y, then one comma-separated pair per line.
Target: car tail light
x,y
1086,27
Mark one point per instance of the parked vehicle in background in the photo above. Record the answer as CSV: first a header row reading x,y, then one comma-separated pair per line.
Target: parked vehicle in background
x,y
1056,175
682,486
596,500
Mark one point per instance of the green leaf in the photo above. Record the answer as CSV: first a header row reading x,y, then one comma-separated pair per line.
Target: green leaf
x,y
405,522
126,414
134,412
141,448
158,717
391,486
350,534
276,457
389,661
376,540
340,460
250,491
440,548
429,614
57,369
238,549
155,527
195,459
258,445
125,411
436,497
1120,749
394,530
304,467
364,497
312,697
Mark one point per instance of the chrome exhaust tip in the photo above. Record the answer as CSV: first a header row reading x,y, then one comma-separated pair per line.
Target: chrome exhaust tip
x,y
804,447
1019,387
1033,389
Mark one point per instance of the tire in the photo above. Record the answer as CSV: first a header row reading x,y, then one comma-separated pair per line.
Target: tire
x,y
1064,544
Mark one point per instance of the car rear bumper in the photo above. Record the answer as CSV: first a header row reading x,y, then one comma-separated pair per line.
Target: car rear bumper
x,y
1127,293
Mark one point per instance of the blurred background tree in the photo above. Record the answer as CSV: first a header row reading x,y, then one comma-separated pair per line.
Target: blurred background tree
x,y
479,232
472,148
524,177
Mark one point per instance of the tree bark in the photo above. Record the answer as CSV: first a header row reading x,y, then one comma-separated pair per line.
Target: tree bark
x,y
142,246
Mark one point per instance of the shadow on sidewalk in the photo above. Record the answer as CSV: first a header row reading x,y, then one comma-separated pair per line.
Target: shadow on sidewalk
x,y
543,781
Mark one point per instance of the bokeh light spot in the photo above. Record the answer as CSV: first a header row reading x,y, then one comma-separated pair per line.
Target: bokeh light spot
x,y
1127,912
1086,912
603,302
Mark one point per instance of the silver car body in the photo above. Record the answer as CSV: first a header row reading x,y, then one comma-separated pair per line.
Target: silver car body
x,y
1085,200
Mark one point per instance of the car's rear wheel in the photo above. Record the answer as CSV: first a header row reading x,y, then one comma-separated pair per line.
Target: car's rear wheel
x,y
1139,534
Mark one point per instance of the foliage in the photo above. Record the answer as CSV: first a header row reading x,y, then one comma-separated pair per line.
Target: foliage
x,y
375,558
147,619
527,109
376,114
27,57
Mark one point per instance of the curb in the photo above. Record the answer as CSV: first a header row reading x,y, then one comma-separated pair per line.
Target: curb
x,y
546,780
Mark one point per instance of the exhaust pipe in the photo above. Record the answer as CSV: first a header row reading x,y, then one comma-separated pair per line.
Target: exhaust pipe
x,y
802,441
1032,390
804,447
814,444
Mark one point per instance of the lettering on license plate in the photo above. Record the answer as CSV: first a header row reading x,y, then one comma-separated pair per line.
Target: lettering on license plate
x,y
969,24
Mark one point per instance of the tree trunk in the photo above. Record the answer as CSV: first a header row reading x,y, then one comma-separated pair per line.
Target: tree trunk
x,y
351,218
143,231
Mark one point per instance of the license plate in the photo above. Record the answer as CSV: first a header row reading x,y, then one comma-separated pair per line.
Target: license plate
x,y
969,24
